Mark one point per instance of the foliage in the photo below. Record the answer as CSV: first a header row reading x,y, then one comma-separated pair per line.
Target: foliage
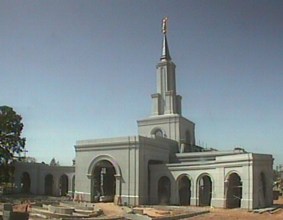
x,y
11,128
6,172
11,142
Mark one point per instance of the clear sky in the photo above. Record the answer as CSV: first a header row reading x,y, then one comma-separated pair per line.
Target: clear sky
x,y
86,69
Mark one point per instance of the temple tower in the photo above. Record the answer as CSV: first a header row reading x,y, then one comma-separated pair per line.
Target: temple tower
x,y
166,118
165,100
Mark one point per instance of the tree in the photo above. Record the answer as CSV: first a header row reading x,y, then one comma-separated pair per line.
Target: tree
x,y
11,142
11,128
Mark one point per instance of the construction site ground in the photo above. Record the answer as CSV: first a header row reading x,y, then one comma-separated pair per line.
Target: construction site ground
x,y
110,210
241,214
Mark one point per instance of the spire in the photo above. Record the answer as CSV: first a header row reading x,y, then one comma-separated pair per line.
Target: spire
x,y
165,55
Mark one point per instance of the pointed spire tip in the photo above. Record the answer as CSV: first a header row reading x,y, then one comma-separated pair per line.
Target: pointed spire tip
x,y
165,55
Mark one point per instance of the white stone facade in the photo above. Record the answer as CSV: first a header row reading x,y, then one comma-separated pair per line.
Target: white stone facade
x,y
219,166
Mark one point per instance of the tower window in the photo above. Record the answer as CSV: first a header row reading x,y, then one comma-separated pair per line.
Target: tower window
x,y
158,132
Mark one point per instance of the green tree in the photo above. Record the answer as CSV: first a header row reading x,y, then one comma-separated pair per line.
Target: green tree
x,y
11,127
11,142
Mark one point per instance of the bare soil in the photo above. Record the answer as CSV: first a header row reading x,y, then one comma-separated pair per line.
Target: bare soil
x,y
240,214
110,210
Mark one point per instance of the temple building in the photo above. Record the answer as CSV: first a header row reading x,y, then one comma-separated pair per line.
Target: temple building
x,y
161,165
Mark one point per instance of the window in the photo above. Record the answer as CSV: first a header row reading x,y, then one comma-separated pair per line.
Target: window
x,y
158,133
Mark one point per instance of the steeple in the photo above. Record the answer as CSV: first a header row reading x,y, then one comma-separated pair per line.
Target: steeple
x,y
166,118
166,101
165,55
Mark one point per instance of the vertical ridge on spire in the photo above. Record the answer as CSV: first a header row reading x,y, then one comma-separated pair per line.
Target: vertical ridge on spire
x,y
165,55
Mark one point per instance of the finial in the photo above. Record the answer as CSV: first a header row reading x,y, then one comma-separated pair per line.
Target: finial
x,y
164,25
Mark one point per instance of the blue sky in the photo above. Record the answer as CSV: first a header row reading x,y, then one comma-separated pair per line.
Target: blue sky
x,y
86,69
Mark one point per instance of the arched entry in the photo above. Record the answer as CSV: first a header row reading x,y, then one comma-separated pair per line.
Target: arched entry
x,y
184,184
233,191
164,190
25,183
63,185
103,182
48,185
205,190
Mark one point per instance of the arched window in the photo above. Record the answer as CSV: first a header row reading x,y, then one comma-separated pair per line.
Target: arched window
x,y
158,132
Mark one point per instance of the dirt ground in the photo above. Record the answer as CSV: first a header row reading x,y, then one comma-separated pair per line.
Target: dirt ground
x,y
236,214
215,214
110,210
239,214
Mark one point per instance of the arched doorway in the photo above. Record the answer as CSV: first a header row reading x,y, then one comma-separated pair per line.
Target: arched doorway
x,y
164,190
103,182
205,190
63,185
184,184
48,185
25,183
234,191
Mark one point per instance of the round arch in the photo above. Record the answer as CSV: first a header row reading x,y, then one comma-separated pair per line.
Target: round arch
x,y
204,189
184,183
157,131
233,190
105,175
186,175
231,172
104,157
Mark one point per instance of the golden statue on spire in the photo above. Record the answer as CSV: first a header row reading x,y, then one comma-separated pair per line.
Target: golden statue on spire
x,y
164,25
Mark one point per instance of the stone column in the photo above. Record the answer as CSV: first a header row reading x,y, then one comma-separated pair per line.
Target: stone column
x,y
118,193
